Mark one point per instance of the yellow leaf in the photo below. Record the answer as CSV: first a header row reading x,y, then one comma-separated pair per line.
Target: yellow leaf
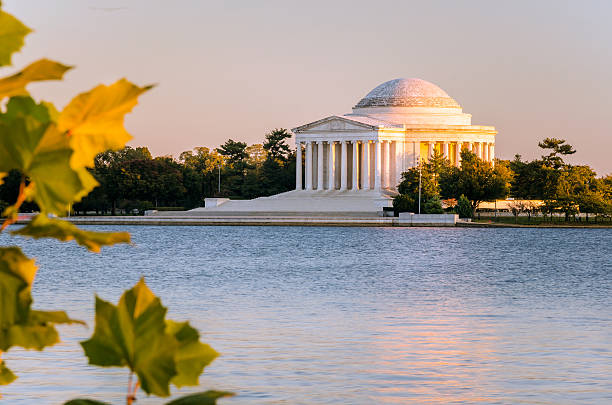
x,y
43,227
32,144
41,70
2,176
55,183
12,33
94,120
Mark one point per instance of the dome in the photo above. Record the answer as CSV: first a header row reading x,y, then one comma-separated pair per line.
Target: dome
x,y
407,93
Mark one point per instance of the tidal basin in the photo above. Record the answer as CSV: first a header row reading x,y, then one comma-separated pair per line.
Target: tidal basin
x,y
323,315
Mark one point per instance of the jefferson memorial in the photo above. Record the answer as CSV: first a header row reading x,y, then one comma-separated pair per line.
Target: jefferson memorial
x,y
353,162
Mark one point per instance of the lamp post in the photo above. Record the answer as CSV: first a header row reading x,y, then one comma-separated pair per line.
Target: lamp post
x,y
419,162
219,176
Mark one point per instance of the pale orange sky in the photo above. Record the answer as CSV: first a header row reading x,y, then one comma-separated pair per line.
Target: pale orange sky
x,y
236,69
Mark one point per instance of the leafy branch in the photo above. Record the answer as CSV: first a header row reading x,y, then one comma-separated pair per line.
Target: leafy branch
x,y
53,150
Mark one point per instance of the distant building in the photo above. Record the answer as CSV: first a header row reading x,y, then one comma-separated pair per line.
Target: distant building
x,y
389,129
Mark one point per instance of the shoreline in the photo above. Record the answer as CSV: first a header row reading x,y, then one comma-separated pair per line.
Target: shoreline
x,y
339,221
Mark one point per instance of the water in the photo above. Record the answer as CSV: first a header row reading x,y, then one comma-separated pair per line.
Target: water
x,y
315,315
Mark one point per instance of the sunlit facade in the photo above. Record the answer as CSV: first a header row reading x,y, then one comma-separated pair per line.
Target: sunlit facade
x,y
388,131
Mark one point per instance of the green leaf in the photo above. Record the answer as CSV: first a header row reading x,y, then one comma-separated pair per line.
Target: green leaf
x,y
192,355
95,120
42,226
40,70
136,334
202,398
16,276
105,348
33,145
12,33
6,375
83,401
133,334
19,325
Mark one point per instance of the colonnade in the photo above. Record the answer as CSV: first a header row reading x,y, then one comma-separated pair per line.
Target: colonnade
x,y
372,164
347,165
484,150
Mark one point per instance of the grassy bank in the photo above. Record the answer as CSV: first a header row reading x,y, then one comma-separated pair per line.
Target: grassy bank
x,y
541,221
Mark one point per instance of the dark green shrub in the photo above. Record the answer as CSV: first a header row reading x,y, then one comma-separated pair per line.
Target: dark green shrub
x,y
464,207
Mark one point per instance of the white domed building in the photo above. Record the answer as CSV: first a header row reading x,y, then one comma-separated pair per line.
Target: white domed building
x,y
353,163
389,130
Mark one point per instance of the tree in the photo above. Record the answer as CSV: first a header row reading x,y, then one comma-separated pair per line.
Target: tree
x,y
434,206
558,149
409,188
438,166
235,154
464,207
476,179
235,168
574,182
257,155
532,180
276,144
205,164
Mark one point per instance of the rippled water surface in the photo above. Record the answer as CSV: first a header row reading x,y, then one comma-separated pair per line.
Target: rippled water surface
x,y
314,315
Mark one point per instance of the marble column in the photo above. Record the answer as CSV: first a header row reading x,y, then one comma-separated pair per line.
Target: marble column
x,y
308,165
320,165
416,153
331,167
470,147
492,153
298,166
365,165
355,180
458,148
386,173
430,149
344,167
479,149
485,151
377,165
445,150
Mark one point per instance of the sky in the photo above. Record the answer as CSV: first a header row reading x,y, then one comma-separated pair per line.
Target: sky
x,y
237,69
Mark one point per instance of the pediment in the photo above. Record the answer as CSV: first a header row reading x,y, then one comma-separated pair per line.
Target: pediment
x,y
334,123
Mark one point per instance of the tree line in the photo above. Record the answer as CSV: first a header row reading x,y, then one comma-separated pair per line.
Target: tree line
x,y
562,187
132,180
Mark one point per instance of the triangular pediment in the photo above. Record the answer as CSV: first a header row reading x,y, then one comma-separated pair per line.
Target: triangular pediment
x,y
335,123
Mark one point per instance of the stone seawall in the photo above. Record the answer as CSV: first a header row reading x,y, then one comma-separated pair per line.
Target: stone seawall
x,y
251,220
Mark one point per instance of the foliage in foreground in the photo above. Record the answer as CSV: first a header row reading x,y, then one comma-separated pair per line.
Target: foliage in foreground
x,y
52,153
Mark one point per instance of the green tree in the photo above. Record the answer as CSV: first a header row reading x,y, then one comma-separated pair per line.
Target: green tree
x,y
439,167
476,179
558,148
276,144
574,183
464,207
235,169
433,206
409,188
205,164
533,180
